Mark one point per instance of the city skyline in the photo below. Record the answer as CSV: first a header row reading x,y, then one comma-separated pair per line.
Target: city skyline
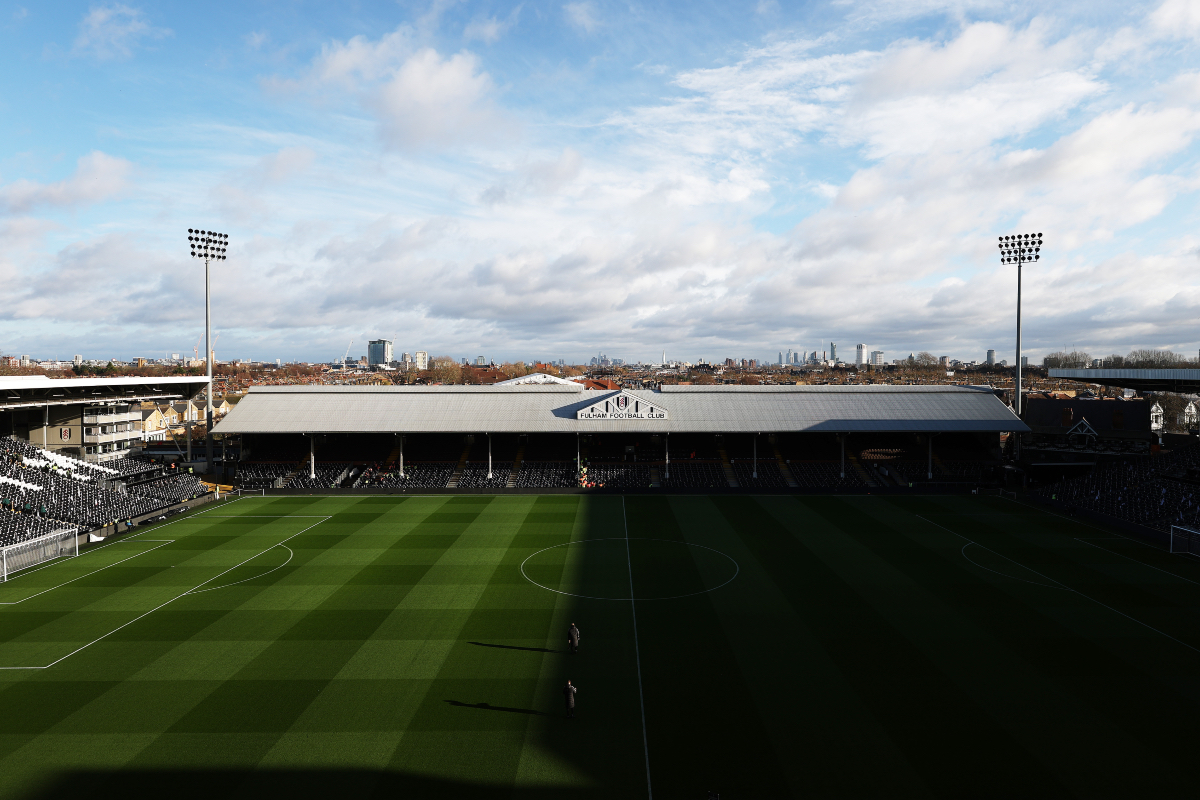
x,y
520,178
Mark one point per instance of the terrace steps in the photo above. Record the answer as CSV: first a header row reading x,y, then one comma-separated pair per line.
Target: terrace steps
x,y
861,471
516,467
458,469
784,469
730,475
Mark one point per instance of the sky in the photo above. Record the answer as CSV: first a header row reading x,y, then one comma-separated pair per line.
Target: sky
x,y
545,180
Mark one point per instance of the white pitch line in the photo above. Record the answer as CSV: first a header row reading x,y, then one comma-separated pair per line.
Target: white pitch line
x,y
1137,561
172,600
165,542
1068,588
637,651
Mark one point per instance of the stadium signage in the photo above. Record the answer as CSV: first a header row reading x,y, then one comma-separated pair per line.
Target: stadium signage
x,y
622,406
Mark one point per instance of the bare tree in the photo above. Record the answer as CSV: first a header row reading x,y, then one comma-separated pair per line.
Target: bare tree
x,y
926,359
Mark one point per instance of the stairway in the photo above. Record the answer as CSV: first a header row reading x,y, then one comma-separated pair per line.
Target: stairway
x,y
458,470
393,456
862,472
516,467
730,475
784,469
655,477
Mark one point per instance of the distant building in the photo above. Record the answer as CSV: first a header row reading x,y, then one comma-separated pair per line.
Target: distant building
x,y
877,358
77,360
780,357
421,360
24,361
480,361
1024,362
860,355
833,352
944,361
991,358
379,352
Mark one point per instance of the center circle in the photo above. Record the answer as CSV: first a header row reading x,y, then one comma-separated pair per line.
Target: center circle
x,y
599,569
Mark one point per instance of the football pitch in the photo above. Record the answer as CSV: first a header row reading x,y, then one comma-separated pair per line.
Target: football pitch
x,y
774,646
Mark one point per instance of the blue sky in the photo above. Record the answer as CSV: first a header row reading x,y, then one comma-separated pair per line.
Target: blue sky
x,y
549,180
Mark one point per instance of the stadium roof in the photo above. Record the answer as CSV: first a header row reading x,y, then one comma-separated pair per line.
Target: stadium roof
x,y
555,408
1184,381
23,391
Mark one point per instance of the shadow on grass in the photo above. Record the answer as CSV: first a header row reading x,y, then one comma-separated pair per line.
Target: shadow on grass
x,y
514,647
235,784
490,707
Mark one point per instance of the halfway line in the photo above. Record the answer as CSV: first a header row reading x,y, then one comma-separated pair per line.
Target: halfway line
x,y
636,651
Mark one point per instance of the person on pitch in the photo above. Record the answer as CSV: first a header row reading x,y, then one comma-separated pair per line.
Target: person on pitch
x,y
569,697
573,638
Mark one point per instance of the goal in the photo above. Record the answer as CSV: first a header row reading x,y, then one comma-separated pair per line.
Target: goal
x,y
1185,540
24,555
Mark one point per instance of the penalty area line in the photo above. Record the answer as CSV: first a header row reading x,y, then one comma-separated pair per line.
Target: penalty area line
x,y
1063,585
172,600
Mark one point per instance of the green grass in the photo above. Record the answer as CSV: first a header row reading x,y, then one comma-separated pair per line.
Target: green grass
x,y
855,647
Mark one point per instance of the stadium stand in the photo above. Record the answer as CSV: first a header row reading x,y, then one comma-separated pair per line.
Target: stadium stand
x,y
420,475
34,482
264,476
475,476
1155,491
769,476
696,475
546,475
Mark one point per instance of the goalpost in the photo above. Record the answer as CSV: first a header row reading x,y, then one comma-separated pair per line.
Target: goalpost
x,y
1185,540
16,557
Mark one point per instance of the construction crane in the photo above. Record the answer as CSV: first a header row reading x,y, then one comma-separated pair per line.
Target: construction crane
x,y
343,364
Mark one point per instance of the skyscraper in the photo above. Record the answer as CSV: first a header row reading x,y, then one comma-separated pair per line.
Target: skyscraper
x,y
833,351
780,357
379,351
860,355
991,358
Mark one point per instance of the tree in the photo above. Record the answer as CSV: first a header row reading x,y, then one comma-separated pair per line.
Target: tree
x,y
445,369
1155,359
1076,359
926,359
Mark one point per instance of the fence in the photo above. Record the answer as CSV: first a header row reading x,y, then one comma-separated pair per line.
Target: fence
x,y
24,555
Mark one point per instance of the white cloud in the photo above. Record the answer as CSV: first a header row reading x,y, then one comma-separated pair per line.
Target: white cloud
x,y
1177,18
581,15
97,177
432,100
420,98
108,32
490,29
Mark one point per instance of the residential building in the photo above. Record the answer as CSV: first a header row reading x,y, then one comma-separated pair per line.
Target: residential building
x,y
860,354
877,358
421,360
480,361
991,358
944,361
833,352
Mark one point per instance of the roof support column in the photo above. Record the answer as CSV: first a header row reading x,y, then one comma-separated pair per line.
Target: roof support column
x,y
187,426
754,463
929,475
489,438
578,460
45,427
402,456
842,440
667,451
312,456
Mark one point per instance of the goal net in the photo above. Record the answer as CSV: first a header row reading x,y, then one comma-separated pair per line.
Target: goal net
x,y
1185,540
24,555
